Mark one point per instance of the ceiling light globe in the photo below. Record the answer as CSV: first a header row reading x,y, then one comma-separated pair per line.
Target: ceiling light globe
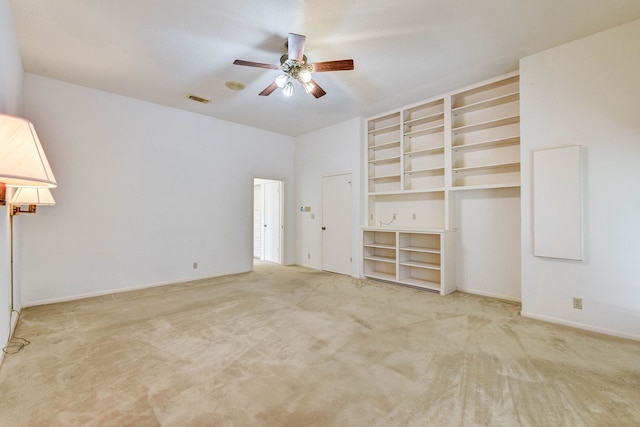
x,y
281,80
305,76
288,89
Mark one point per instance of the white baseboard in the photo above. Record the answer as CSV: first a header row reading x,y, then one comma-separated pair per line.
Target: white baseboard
x,y
120,290
583,326
488,294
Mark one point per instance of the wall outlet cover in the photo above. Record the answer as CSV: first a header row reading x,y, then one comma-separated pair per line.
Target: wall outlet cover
x,y
577,303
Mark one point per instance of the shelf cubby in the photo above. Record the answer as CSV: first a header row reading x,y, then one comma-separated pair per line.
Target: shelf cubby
x,y
485,92
419,209
384,124
380,254
489,176
423,115
487,103
485,156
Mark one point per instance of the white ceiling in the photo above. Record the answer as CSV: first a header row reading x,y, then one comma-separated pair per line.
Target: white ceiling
x,y
404,50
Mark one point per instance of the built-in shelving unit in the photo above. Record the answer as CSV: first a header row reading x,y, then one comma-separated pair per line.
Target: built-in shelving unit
x,y
417,158
384,154
485,135
414,258
423,146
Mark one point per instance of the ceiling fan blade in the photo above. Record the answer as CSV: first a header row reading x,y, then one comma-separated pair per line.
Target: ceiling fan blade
x,y
267,91
255,64
296,46
340,65
317,91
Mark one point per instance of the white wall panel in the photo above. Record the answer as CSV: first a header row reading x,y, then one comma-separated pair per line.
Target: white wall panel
x,y
557,203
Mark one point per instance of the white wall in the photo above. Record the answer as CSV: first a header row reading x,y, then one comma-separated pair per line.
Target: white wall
x,y
488,242
329,151
586,93
11,74
143,192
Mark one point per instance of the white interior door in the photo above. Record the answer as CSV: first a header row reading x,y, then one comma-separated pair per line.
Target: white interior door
x,y
257,221
272,225
337,229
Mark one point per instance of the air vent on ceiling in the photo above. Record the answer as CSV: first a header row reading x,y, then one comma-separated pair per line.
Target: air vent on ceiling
x,y
198,98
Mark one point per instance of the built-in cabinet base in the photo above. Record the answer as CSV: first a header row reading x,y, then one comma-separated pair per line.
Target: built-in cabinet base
x,y
411,257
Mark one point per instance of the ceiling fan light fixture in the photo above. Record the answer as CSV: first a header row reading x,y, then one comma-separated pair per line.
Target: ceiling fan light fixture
x,y
294,66
281,80
288,89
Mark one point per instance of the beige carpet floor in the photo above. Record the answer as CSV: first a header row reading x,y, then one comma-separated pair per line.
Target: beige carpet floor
x,y
288,346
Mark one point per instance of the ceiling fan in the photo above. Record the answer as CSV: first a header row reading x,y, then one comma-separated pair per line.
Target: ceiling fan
x,y
294,66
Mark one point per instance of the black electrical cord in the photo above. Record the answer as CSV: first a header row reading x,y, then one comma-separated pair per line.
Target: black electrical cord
x,y
15,344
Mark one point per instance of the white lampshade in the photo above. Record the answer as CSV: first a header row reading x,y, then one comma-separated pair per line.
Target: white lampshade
x,y
288,89
22,160
32,196
281,80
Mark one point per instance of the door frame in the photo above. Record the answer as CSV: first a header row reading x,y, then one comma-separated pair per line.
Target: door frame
x,y
262,181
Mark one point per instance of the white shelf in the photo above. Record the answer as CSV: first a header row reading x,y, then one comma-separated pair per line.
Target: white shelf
x,y
406,230
424,119
486,125
491,166
427,131
386,129
392,159
420,249
513,140
385,145
492,102
379,246
407,192
381,276
424,190
485,186
425,151
429,171
421,265
381,259
385,177
386,193
421,284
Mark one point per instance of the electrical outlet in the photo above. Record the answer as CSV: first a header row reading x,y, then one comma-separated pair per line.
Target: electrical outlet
x,y
577,303
413,216
394,216
195,265
308,256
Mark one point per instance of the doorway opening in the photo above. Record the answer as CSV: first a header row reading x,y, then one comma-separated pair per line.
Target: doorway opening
x,y
268,225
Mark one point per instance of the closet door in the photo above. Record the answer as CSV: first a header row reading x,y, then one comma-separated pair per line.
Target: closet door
x,y
337,230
